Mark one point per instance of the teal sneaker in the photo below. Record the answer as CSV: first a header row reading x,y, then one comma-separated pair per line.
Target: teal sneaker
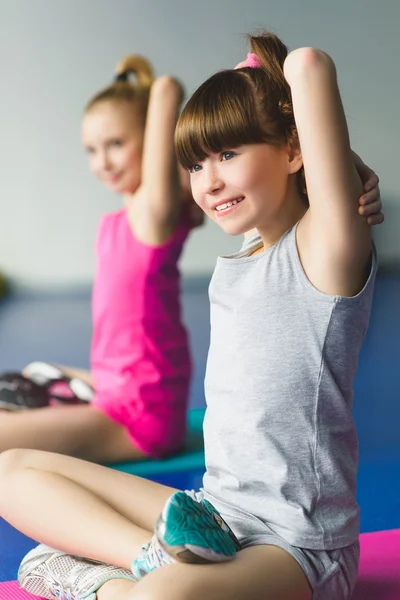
x,y
221,523
194,532
187,531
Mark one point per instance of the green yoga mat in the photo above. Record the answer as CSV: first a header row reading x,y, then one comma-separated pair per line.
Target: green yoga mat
x,y
192,457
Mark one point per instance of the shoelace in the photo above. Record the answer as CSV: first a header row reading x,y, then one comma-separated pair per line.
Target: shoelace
x,y
155,554
62,594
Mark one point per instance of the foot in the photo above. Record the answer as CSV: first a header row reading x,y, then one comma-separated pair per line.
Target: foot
x,y
187,531
61,387
194,532
51,574
43,373
19,393
221,523
151,557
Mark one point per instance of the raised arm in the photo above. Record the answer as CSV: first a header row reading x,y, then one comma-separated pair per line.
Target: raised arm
x,y
334,240
157,203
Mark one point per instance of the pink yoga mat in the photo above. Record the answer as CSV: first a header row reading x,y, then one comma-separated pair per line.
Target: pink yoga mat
x,y
12,591
379,577
379,574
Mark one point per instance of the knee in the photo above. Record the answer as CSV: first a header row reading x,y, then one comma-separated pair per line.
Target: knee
x,y
12,461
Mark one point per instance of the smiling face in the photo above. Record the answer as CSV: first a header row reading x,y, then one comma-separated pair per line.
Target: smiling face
x,y
242,152
244,188
112,133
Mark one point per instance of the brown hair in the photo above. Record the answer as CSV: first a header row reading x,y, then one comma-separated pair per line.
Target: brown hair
x,y
123,89
240,106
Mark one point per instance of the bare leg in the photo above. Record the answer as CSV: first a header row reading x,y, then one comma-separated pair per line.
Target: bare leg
x,y
82,431
259,573
79,507
116,589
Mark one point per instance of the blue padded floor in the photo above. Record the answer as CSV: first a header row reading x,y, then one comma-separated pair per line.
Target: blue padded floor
x,y
31,327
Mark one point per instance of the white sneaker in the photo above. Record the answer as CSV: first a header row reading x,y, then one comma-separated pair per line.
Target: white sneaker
x,y
54,575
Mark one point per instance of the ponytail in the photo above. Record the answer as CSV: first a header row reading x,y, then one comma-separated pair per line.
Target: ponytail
x,y
126,89
271,53
134,65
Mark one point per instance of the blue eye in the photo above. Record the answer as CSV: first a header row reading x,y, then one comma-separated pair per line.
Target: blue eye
x,y
228,155
194,169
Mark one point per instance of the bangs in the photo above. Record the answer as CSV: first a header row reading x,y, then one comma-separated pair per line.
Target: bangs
x,y
221,115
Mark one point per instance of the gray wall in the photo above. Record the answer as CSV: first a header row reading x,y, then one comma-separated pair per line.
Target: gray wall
x,y
54,54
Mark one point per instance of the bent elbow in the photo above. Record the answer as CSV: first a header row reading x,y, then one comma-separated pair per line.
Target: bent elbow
x,y
308,61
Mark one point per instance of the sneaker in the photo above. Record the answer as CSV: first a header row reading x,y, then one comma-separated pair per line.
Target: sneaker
x,y
52,574
41,385
203,536
62,387
152,557
19,393
191,531
221,523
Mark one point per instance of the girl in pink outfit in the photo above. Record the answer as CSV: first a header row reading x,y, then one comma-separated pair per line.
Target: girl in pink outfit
x,y
138,385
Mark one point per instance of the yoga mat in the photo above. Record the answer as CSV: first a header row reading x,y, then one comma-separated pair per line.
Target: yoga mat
x,y
379,573
11,591
379,577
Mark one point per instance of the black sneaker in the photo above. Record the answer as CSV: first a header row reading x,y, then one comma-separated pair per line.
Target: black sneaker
x,y
20,393
61,388
42,384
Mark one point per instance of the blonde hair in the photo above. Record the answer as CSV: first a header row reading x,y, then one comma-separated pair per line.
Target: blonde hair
x,y
240,106
123,89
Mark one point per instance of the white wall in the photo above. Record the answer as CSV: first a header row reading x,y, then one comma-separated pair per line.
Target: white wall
x,y
54,54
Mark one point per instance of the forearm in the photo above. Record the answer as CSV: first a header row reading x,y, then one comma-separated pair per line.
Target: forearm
x,y
159,170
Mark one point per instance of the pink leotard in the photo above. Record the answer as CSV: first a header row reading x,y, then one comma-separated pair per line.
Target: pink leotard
x,y
140,357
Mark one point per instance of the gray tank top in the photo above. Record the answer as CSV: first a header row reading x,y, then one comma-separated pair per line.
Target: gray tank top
x,y
280,440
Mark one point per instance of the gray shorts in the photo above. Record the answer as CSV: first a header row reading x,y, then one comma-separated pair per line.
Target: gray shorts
x,y
332,574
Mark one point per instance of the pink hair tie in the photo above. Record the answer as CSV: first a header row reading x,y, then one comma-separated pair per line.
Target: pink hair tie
x,y
252,61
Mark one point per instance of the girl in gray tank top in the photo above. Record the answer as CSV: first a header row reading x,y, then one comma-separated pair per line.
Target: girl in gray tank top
x,y
267,148
268,152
